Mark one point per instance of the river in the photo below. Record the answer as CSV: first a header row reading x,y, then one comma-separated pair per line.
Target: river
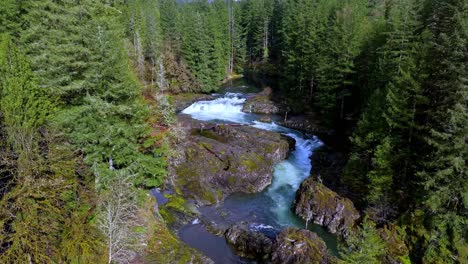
x,y
268,211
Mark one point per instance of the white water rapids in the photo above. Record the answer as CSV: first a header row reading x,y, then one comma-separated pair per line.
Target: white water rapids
x,y
287,175
267,211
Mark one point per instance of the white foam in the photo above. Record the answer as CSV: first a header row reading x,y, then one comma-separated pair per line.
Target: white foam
x,y
288,174
258,227
228,108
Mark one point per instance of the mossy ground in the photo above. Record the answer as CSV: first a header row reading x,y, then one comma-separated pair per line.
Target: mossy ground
x,y
163,246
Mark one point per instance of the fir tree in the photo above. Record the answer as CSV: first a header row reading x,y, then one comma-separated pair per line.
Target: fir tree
x,y
364,246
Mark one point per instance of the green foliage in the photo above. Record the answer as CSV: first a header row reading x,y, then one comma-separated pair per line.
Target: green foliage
x,y
88,70
339,49
256,25
22,103
395,68
363,246
205,41
10,11
145,32
416,151
46,199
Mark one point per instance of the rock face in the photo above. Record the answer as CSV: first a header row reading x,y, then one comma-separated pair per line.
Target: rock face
x,y
219,160
261,104
249,244
317,203
299,246
309,123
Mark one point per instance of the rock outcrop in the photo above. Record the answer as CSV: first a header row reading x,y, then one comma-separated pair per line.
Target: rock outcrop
x,y
249,244
315,202
261,104
309,123
299,246
219,160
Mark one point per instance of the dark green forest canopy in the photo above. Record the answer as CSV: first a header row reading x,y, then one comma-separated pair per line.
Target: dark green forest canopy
x,y
76,118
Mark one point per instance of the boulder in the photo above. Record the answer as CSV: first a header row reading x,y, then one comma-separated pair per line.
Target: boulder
x,y
300,246
261,104
315,202
248,243
309,123
219,160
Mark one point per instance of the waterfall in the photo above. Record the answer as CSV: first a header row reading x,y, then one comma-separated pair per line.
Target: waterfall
x,y
287,175
227,108
267,211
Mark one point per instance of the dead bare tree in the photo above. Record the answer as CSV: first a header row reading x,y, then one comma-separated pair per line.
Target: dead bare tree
x,y
117,218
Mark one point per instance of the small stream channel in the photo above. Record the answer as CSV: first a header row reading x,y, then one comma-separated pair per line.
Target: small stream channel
x,y
268,211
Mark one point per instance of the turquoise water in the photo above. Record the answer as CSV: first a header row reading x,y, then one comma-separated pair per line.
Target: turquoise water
x,y
268,210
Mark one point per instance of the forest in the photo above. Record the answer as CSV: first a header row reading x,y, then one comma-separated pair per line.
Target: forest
x,y
89,123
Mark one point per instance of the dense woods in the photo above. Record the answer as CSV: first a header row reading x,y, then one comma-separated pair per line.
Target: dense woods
x,y
86,118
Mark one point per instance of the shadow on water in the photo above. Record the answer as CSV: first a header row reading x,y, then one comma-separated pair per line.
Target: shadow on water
x,y
212,246
238,85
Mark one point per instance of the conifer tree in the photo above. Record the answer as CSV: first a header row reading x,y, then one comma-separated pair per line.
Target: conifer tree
x,y
364,246
37,207
444,176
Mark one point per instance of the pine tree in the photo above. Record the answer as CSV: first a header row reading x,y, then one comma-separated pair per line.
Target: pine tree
x,y
36,203
364,246
146,34
54,35
256,21
403,99
22,103
10,17
444,175
336,61
238,40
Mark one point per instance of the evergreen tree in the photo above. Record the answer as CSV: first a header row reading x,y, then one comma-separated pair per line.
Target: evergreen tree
x,y
335,68
55,35
37,206
146,32
363,246
444,175
256,22
23,104
10,14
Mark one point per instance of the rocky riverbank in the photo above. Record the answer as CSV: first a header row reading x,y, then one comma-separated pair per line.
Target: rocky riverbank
x,y
218,160
290,246
261,103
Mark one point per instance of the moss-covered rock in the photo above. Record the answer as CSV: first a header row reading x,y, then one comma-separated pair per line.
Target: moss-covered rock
x,y
309,122
300,246
163,246
249,244
219,160
315,202
261,103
